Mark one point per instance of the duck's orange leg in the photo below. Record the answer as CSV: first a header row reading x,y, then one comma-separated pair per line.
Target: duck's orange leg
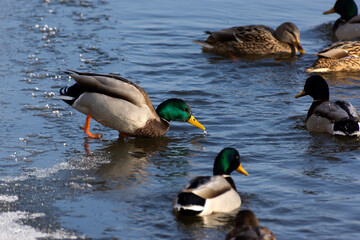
x,y
123,135
233,57
87,126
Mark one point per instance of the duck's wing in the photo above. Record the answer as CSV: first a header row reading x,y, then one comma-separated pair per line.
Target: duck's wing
x,y
208,187
354,20
334,111
254,33
250,33
348,107
111,85
341,49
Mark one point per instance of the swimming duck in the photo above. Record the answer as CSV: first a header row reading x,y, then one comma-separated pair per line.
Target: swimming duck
x,y
253,40
325,116
122,105
247,228
347,27
205,195
341,56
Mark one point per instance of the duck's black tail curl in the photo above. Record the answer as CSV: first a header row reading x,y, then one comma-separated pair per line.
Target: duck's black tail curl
x,y
189,204
347,127
71,93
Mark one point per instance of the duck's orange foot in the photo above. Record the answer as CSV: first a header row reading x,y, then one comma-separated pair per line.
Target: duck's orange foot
x,y
94,135
86,129
123,135
233,57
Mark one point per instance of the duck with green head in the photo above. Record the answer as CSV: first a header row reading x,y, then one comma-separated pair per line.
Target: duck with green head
x,y
205,195
123,105
347,27
325,116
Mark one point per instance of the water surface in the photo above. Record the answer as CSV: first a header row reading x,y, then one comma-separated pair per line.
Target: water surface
x,y
57,183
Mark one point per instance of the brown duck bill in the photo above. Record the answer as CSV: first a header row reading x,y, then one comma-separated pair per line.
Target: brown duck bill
x,y
301,94
299,47
329,11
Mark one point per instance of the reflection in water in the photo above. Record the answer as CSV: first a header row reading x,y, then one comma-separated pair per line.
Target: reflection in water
x,y
127,160
342,78
196,226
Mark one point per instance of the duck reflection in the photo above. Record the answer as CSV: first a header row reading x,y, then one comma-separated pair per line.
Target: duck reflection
x,y
196,225
127,160
342,78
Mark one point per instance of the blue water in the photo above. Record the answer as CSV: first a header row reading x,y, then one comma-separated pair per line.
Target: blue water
x,y
57,183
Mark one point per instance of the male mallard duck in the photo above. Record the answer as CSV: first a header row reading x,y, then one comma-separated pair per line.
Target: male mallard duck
x,y
254,40
205,195
122,105
341,56
247,228
347,27
325,116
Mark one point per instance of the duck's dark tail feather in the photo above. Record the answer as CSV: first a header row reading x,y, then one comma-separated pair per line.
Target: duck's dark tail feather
x,y
70,94
189,204
347,127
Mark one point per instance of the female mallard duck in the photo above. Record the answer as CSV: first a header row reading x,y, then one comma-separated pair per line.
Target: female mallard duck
x,y
325,116
122,105
253,40
341,56
205,195
247,228
347,27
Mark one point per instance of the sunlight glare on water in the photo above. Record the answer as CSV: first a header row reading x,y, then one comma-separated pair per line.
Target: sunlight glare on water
x,y
57,183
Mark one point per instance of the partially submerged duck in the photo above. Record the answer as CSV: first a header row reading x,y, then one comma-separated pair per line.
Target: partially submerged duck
x,y
325,116
339,57
253,40
347,27
205,195
247,228
122,105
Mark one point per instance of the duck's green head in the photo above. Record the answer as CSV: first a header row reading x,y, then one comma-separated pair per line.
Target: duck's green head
x,y
345,8
227,161
175,109
316,87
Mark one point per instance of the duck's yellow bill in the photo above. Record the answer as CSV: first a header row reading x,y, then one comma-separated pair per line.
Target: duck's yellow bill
x,y
299,47
301,94
194,122
240,169
329,11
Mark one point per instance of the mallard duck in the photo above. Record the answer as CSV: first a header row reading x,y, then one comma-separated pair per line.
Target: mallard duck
x,y
347,27
122,105
325,116
253,40
205,195
341,56
247,228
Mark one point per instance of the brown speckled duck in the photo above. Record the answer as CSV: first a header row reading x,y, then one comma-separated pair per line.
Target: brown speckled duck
x,y
341,56
253,40
247,228
122,105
